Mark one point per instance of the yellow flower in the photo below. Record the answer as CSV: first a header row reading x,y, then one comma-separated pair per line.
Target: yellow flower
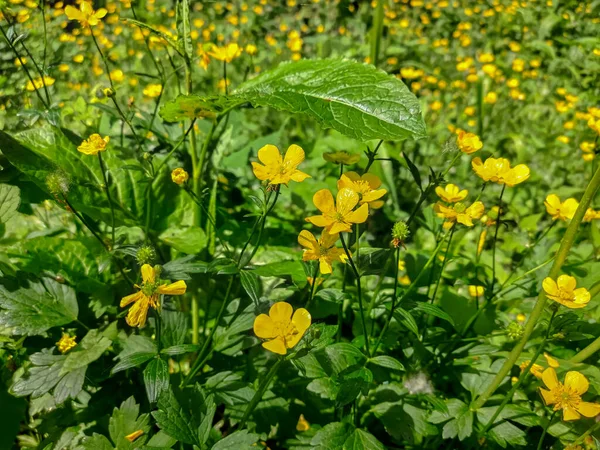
x,y
152,90
490,98
179,176
336,219
459,213
499,171
117,75
148,295
251,49
451,193
521,317
278,170
468,142
66,343
280,329
85,15
302,424
536,370
133,436
323,250
94,144
366,186
562,211
551,361
341,157
563,291
227,53
39,83
590,215
476,291
567,396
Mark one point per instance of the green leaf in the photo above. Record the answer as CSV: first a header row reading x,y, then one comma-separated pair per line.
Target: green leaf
x,y
70,385
156,379
356,99
186,107
33,310
458,418
343,355
183,28
10,199
133,360
503,432
180,349
190,240
239,440
174,421
372,260
97,442
91,347
362,440
332,436
351,384
181,268
387,361
414,172
433,310
251,283
174,328
126,420
406,319
166,37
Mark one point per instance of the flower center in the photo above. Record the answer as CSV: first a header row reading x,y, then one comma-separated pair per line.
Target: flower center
x,y
149,289
460,207
339,217
565,294
566,398
362,187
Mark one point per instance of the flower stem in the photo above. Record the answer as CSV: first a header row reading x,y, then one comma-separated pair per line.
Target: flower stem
x,y
264,385
107,188
496,239
360,302
586,352
393,306
541,442
313,284
561,256
437,285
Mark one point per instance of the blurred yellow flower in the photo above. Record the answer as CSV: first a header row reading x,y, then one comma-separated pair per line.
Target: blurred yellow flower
x,y
341,157
278,169
451,193
499,171
66,343
152,90
39,83
85,15
476,291
227,53
94,144
179,176
567,396
560,211
468,142
366,186
490,98
459,212
340,217
281,330
323,250
148,296
564,291
536,370
302,424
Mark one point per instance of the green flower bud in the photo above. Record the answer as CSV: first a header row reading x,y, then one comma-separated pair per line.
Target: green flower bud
x,y
400,232
514,331
145,255
57,183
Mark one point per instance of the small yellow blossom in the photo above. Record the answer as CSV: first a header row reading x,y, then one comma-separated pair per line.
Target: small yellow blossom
x,y
521,317
567,396
85,15
148,296
560,210
563,291
451,193
340,217
323,250
94,144
302,424
152,90
476,291
281,330
277,169
39,83
366,186
459,212
499,171
179,176
536,370
66,343
468,142
227,53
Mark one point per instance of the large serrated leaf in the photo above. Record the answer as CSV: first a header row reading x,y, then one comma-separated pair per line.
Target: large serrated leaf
x,y
356,99
10,199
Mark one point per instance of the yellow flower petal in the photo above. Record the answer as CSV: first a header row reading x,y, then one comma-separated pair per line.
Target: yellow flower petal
x,y
148,274
588,409
281,312
550,286
339,227
301,320
547,396
261,172
360,215
299,176
373,180
293,157
566,282
581,296
323,200
549,378
276,346
346,200
307,239
131,298
324,266
320,221
136,316
177,288
577,382
264,327
269,155
570,414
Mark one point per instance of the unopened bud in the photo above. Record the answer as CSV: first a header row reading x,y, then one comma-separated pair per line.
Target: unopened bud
x,y
146,255
514,331
400,232
57,183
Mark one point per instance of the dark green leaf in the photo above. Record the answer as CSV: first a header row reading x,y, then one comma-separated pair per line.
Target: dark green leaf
x,y
414,172
174,328
174,421
133,360
180,349
387,361
433,310
239,440
91,347
182,268
251,283
332,436
186,107
156,379
406,319
362,440
126,420
190,240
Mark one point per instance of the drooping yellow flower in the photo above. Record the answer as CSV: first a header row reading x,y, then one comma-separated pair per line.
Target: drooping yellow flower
x,y
567,396
468,142
153,90
499,171
227,53
476,291
94,144
366,186
341,157
302,424
133,436
564,291
85,15
39,83
179,176
278,169
459,213
148,296
66,343
451,193
560,210
323,250
281,330
338,216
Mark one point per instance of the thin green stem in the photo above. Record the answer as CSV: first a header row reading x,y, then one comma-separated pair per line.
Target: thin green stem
x,y
110,203
586,352
359,290
446,253
372,158
209,216
313,285
561,256
376,32
393,305
498,220
541,441
258,395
